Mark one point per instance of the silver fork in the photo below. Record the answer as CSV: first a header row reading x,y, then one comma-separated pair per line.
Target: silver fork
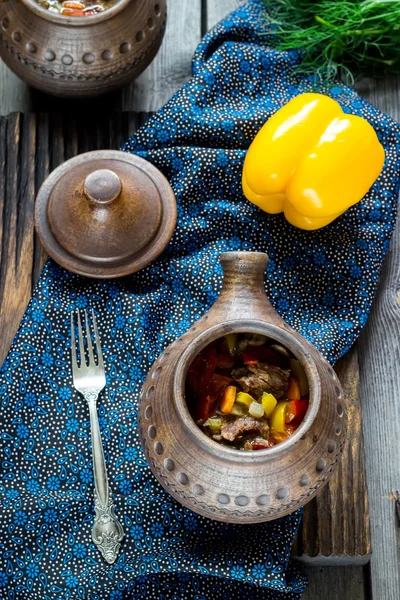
x,y
89,379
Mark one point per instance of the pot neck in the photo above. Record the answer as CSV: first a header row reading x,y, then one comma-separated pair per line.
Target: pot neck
x,y
243,289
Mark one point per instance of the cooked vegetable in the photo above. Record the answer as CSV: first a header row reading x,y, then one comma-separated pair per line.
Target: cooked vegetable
x,y
293,392
296,411
281,350
253,355
311,161
204,407
214,424
224,362
277,420
238,410
256,410
299,373
268,402
257,444
228,399
75,8
230,340
244,399
246,406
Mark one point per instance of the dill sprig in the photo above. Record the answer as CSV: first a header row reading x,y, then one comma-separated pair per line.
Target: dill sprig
x,y
354,36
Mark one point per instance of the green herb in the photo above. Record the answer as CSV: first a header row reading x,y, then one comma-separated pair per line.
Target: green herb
x,y
357,36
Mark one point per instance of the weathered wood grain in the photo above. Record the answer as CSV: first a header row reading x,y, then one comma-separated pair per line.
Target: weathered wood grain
x,y
17,192
218,9
14,93
172,66
336,526
340,583
379,349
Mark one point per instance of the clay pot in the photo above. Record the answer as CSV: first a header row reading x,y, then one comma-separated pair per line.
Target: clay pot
x,y
217,481
80,56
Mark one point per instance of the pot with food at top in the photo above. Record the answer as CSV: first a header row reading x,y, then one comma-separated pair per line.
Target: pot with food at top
x,y
241,419
78,48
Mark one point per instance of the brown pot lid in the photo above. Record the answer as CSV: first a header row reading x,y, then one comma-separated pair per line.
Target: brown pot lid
x,y
105,214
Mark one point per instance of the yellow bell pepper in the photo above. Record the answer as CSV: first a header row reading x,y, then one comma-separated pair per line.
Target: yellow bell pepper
x,y
277,419
311,161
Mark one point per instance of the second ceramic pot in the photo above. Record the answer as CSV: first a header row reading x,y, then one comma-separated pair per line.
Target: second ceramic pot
x,y
80,56
217,481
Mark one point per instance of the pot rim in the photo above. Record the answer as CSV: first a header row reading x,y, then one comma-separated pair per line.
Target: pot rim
x,y
75,21
274,332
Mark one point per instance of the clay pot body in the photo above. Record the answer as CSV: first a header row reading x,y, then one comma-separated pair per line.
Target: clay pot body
x,y
80,56
214,480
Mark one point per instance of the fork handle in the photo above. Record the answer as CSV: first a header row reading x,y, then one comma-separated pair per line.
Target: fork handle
x,y
107,531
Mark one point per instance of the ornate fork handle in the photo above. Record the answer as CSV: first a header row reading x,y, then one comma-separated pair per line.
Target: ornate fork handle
x,y
107,532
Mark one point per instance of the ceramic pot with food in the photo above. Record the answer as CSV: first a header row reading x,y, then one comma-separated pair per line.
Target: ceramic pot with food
x,y
79,48
241,419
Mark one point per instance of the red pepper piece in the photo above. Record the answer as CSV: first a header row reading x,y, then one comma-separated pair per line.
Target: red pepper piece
x,y
225,362
201,371
296,411
260,445
218,384
253,355
205,405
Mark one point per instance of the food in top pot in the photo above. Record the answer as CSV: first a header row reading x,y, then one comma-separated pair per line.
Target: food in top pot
x,y
77,8
247,392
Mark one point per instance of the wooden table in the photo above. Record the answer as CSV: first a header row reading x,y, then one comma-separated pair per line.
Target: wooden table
x,y
342,505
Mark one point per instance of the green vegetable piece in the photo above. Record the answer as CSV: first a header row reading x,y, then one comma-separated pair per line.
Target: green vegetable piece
x,y
238,410
281,350
300,375
230,339
214,424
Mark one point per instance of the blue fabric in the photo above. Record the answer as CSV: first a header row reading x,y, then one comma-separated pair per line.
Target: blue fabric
x,y
321,282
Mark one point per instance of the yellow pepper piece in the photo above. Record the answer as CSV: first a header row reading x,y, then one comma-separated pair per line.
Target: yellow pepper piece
x,y
277,419
268,402
311,161
244,399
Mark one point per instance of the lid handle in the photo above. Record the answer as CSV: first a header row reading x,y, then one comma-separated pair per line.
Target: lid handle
x,y
102,187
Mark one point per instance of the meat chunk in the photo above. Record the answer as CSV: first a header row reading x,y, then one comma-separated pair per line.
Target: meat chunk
x,y
230,430
256,443
256,379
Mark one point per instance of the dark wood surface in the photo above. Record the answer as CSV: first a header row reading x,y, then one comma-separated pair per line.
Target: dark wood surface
x,y
336,524
336,527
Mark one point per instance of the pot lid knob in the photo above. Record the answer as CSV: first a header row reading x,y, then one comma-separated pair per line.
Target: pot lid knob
x,y
102,186
105,214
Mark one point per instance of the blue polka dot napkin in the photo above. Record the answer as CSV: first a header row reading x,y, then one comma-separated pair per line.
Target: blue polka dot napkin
x,y
321,282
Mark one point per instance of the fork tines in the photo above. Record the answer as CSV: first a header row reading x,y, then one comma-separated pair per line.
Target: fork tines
x,y
86,356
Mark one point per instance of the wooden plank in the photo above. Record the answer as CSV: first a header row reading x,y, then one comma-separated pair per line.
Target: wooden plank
x,y
216,11
344,583
336,526
172,66
14,93
17,191
379,350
